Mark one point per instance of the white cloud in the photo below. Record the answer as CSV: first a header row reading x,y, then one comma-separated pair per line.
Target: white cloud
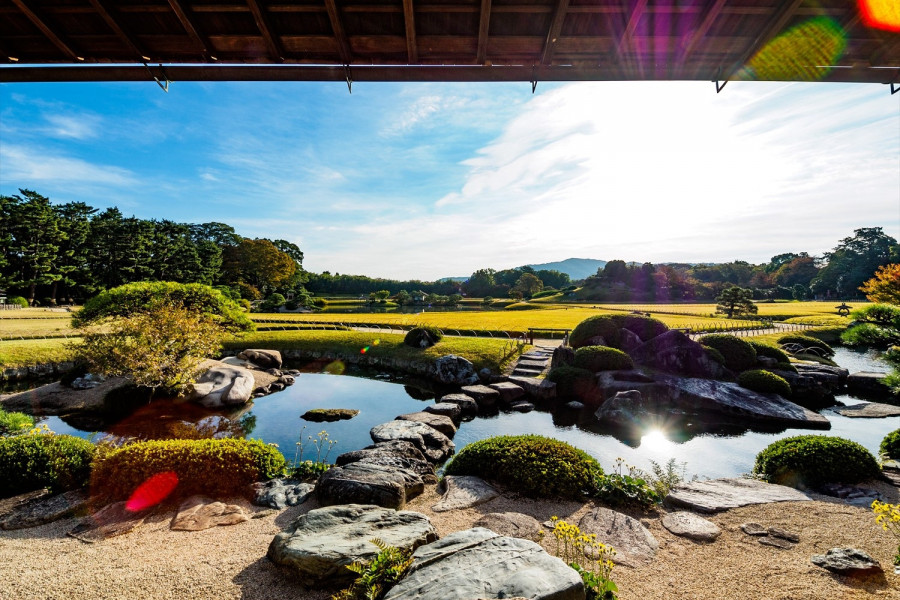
x,y
27,165
78,127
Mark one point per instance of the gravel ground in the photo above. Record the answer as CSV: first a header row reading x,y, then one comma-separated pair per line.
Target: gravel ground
x,y
153,562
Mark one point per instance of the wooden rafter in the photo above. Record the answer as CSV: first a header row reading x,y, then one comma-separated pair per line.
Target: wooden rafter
x,y
409,19
337,25
711,15
774,26
276,51
188,26
41,24
631,26
484,23
129,40
559,16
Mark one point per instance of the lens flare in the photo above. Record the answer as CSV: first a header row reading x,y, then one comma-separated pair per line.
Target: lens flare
x,y
152,491
336,367
881,14
802,53
364,350
376,342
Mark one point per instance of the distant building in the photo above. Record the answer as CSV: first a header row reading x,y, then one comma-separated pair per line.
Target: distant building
x,y
2,296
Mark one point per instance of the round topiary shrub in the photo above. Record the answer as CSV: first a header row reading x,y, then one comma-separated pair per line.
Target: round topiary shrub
x,y
738,354
34,461
533,465
644,327
602,358
769,351
17,300
424,336
807,342
813,460
219,468
714,354
609,327
890,445
572,382
760,380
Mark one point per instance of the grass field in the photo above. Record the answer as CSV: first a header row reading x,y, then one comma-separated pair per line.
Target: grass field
x,y
33,352
32,327
770,310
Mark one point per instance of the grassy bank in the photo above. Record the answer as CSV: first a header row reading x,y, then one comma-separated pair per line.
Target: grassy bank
x,y
33,352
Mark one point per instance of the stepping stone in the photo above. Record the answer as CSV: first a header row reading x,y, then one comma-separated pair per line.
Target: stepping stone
x,y
467,405
754,529
526,372
521,406
784,535
109,521
775,542
539,389
44,509
511,524
320,545
847,561
464,491
532,364
329,415
397,455
441,423
281,493
574,405
362,483
436,446
198,513
691,526
485,396
508,391
870,410
477,563
722,494
634,543
446,409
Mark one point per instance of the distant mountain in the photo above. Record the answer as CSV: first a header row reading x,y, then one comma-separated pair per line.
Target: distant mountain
x,y
457,279
577,268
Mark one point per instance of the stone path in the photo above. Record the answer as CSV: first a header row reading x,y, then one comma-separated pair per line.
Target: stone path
x,y
536,361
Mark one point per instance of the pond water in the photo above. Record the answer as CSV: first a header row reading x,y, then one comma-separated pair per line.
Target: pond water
x,y
276,419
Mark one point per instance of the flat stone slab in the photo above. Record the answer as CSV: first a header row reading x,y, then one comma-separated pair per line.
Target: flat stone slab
x,y
329,415
754,529
847,561
775,542
281,493
691,526
396,454
320,545
540,389
533,364
508,391
722,494
511,524
198,513
366,483
521,406
467,405
464,491
436,446
634,544
45,509
446,409
440,422
477,563
109,521
526,372
485,396
869,410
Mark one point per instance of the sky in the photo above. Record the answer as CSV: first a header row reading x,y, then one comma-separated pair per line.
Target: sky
x,y
422,181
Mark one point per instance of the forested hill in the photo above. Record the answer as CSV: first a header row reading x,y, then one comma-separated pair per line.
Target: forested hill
x,y
576,268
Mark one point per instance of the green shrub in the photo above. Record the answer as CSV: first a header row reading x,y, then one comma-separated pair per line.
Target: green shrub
x,y
807,342
760,380
769,351
14,423
35,461
423,336
786,366
602,358
544,293
524,306
813,460
533,465
630,490
714,354
571,382
17,300
738,354
219,468
890,445
609,328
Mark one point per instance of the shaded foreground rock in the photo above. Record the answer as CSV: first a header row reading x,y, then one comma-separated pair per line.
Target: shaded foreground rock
x,y
847,561
281,493
109,521
538,389
363,483
674,352
395,454
45,509
436,446
691,526
633,542
722,494
198,513
319,545
511,524
477,563
264,359
464,491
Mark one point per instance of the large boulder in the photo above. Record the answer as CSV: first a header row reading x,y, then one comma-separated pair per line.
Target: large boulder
x,y
633,542
397,454
694,527
441,423
464,491
264,359
486,397
366,483
320,545
477,563
436,446
455,370
223,385
723,494
847,561
625,409
198,513
45,509
511,524
281,493
563,356
674,352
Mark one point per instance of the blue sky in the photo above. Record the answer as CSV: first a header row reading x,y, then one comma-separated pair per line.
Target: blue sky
x,y
432,180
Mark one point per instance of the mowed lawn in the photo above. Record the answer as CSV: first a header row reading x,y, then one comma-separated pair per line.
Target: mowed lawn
x,y
33,326
775,310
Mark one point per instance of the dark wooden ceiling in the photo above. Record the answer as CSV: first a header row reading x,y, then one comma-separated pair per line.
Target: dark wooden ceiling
x,y
425,40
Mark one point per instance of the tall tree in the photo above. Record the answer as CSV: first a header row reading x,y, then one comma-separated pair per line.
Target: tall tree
x,y
528,284
259,263
854,260
74,219
735,301
36,239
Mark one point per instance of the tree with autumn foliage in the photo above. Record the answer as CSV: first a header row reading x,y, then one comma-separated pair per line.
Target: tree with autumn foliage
x,y
885,286
258,263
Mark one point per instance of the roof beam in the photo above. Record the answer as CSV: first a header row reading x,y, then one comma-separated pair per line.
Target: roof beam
x,y
57,40
774,26
276,51
410,20
559,15
129,40
711,15
484,23
339,34
189,27
633,19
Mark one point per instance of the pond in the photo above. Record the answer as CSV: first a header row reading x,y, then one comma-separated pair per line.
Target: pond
x,y
276,419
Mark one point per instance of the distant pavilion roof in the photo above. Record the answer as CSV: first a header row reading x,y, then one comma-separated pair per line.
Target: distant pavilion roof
x,y
429,40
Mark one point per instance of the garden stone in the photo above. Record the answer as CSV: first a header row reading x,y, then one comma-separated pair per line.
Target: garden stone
x,y
264,359
363,483
538,389
509,392
320,545
223,385
628,340
455,370
198,513
623,410
563,356
784,535
754,529
674,352
851,494
521,406
447,409
775,542
467,405
441,423
281,493
870,410
722,494
485,396
574,405
464,491
110,521
477,563
847,561
691,526
511,524
634,543
397,454
436,446
45,509
319,415
868,384
287,380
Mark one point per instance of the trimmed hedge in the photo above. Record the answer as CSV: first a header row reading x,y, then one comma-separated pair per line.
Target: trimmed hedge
x,y
610,326
769,351
890,445
813,460
760,380
571,382
32,462
533,465
807,342
739,355
219,468
424,336
602,358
